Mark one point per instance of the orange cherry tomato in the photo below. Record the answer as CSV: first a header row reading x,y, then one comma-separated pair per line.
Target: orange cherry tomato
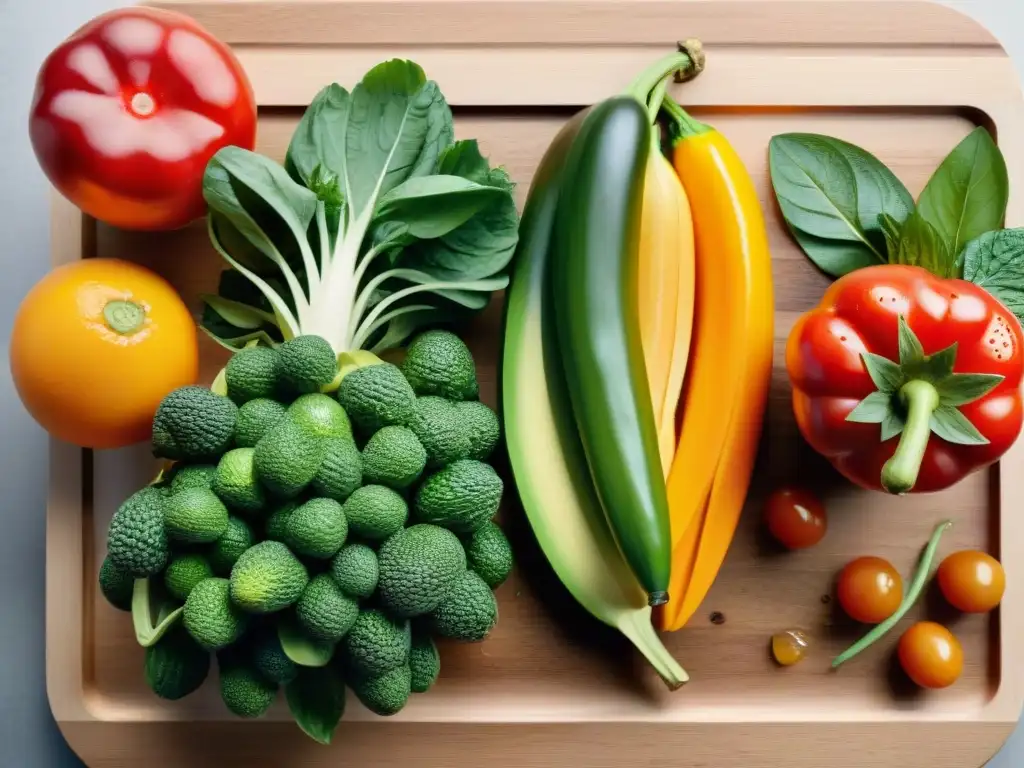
x,y
795,517
96,345
931,655
870,589
972,581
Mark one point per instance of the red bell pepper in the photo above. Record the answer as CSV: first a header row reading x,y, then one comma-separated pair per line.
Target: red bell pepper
x,y
129,109
906,381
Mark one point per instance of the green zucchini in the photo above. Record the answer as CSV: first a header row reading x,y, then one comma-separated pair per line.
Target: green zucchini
x,y
594,287
544,450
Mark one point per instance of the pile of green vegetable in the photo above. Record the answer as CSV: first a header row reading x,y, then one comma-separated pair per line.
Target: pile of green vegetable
x,y
312,541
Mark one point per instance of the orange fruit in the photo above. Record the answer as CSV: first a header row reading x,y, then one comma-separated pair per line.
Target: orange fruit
x,y
96,345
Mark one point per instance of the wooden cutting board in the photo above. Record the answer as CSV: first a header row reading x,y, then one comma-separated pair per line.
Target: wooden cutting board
x,y
906,80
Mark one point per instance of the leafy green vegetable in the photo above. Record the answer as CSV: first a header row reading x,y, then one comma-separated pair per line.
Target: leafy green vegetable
x,y
316,700
995,261
378,222
967,194
921,245
831,194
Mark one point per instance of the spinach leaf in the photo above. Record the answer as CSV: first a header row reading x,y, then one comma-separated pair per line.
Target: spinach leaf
x,y
995,261
967,194
921,245
316,699
831,194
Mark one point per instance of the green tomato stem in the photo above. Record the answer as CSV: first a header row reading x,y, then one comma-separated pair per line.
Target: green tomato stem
x,y
921,399
913,593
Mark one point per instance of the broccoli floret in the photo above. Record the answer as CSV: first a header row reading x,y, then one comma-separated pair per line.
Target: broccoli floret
x,y
376,396
252,373
255,419
287,458
481,424
418,565
355,570
377,643
210,617
136,539
320,415
462,496
341,470
270,660
307,363
317,528
489,554
374,512
235,482
176,665
468,612
384,694
185,476
225,551
193,424
184,572
439,363
116,584
437,425
195,515
267,578
424,662
244,691
277,523
394,457
324,611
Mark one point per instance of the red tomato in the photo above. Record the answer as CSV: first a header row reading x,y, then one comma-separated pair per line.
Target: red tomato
x,y
972,581
870,589
931,655
129,109
795,517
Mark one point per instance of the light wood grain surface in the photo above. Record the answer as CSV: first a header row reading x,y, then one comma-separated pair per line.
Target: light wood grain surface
x,y
550,686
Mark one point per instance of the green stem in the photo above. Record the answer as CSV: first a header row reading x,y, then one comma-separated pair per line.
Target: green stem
x,y
689,62
657,97
899,473
637,627
123,317
683,125
916,588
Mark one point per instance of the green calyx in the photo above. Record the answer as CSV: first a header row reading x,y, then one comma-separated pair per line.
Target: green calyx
x,y
916,397
123,317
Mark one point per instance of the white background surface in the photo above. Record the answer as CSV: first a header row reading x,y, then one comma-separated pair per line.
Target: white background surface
x,y
29,29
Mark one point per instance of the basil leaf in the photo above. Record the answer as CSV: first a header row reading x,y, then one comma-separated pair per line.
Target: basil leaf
x,y
952,426
885,374
995,261
967,194
316,699
891,233
831,194
921,245
873,409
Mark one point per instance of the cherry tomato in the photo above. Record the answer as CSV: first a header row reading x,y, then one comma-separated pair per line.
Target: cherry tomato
x,y
972,581
795,517
870,589
931,655
128,110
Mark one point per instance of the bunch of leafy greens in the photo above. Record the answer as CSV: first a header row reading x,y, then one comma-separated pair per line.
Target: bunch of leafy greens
x,y
847,210
378,223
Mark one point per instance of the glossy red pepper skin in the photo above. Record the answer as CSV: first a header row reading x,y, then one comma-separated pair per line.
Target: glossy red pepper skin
x,y
860,313
128,110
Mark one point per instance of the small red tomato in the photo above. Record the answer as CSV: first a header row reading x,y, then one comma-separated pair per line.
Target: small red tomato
x,y
795,517
931,655
870,589
128,110
972,581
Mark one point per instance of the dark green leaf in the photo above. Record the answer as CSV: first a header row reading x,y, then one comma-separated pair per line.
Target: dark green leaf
x,y
995,261
891,233
879,192
432,206
963,388
319,138
892,425
873,409
316,699
885,374
952,426
834,257
463,159
911,350
921,246
300,647
967,194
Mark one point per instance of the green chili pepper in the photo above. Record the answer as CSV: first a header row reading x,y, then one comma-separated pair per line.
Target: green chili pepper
x,y
916,588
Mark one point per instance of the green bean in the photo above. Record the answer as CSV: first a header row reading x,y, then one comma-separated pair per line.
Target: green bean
x,y
913,593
